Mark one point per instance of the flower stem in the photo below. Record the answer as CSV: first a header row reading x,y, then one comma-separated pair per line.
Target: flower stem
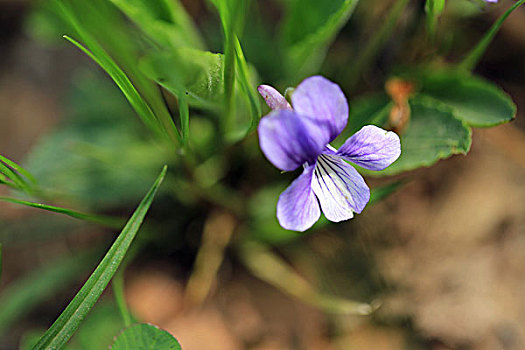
x,y
118,291
367,55
475,54
229,79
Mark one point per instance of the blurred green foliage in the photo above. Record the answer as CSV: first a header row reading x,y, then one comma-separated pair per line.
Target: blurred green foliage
x,y
193,88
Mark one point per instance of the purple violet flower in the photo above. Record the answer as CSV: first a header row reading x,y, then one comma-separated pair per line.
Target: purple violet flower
x,y
291,137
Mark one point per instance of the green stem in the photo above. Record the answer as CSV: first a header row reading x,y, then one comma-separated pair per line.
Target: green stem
x,y
229,79
99,219
184,114
474,56
118,291
367,55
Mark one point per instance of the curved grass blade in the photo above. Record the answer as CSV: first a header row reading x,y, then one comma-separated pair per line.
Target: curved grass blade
x,y
243,76
68,322
99,219
11,175
119,77
18,168
474,56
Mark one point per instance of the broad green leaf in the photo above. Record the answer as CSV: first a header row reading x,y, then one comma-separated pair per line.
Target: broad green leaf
x,y
310,27
432,133
101,219
68,322
26,293
473,100
164,21
145,337
195,73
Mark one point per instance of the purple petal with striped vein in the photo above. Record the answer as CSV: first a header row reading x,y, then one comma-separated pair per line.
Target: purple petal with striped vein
x,y
339,187
297,208
371,148
273,98
319,98
289,140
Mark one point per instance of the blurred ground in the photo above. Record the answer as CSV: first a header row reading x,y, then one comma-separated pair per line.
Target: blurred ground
x,y
449,248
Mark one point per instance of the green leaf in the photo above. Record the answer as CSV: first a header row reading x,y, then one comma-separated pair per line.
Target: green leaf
x,y
433,8
195,73
432,133
470,61
310,27
101,219
145,337
472,99
11,175
145,98
243,76
164,21
68,322
24,294
137,102
18,168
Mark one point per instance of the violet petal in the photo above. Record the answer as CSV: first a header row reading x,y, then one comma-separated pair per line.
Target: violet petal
x,y
289,140
297,208
372,148
341,190
273,98
319,98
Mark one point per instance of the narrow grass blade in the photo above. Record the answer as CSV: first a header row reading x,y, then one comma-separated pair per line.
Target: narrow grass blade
x,y
119,77
264,264
18,168
184,114
9,172
367,55
433,9
474,56
99,219
68,322
246,86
